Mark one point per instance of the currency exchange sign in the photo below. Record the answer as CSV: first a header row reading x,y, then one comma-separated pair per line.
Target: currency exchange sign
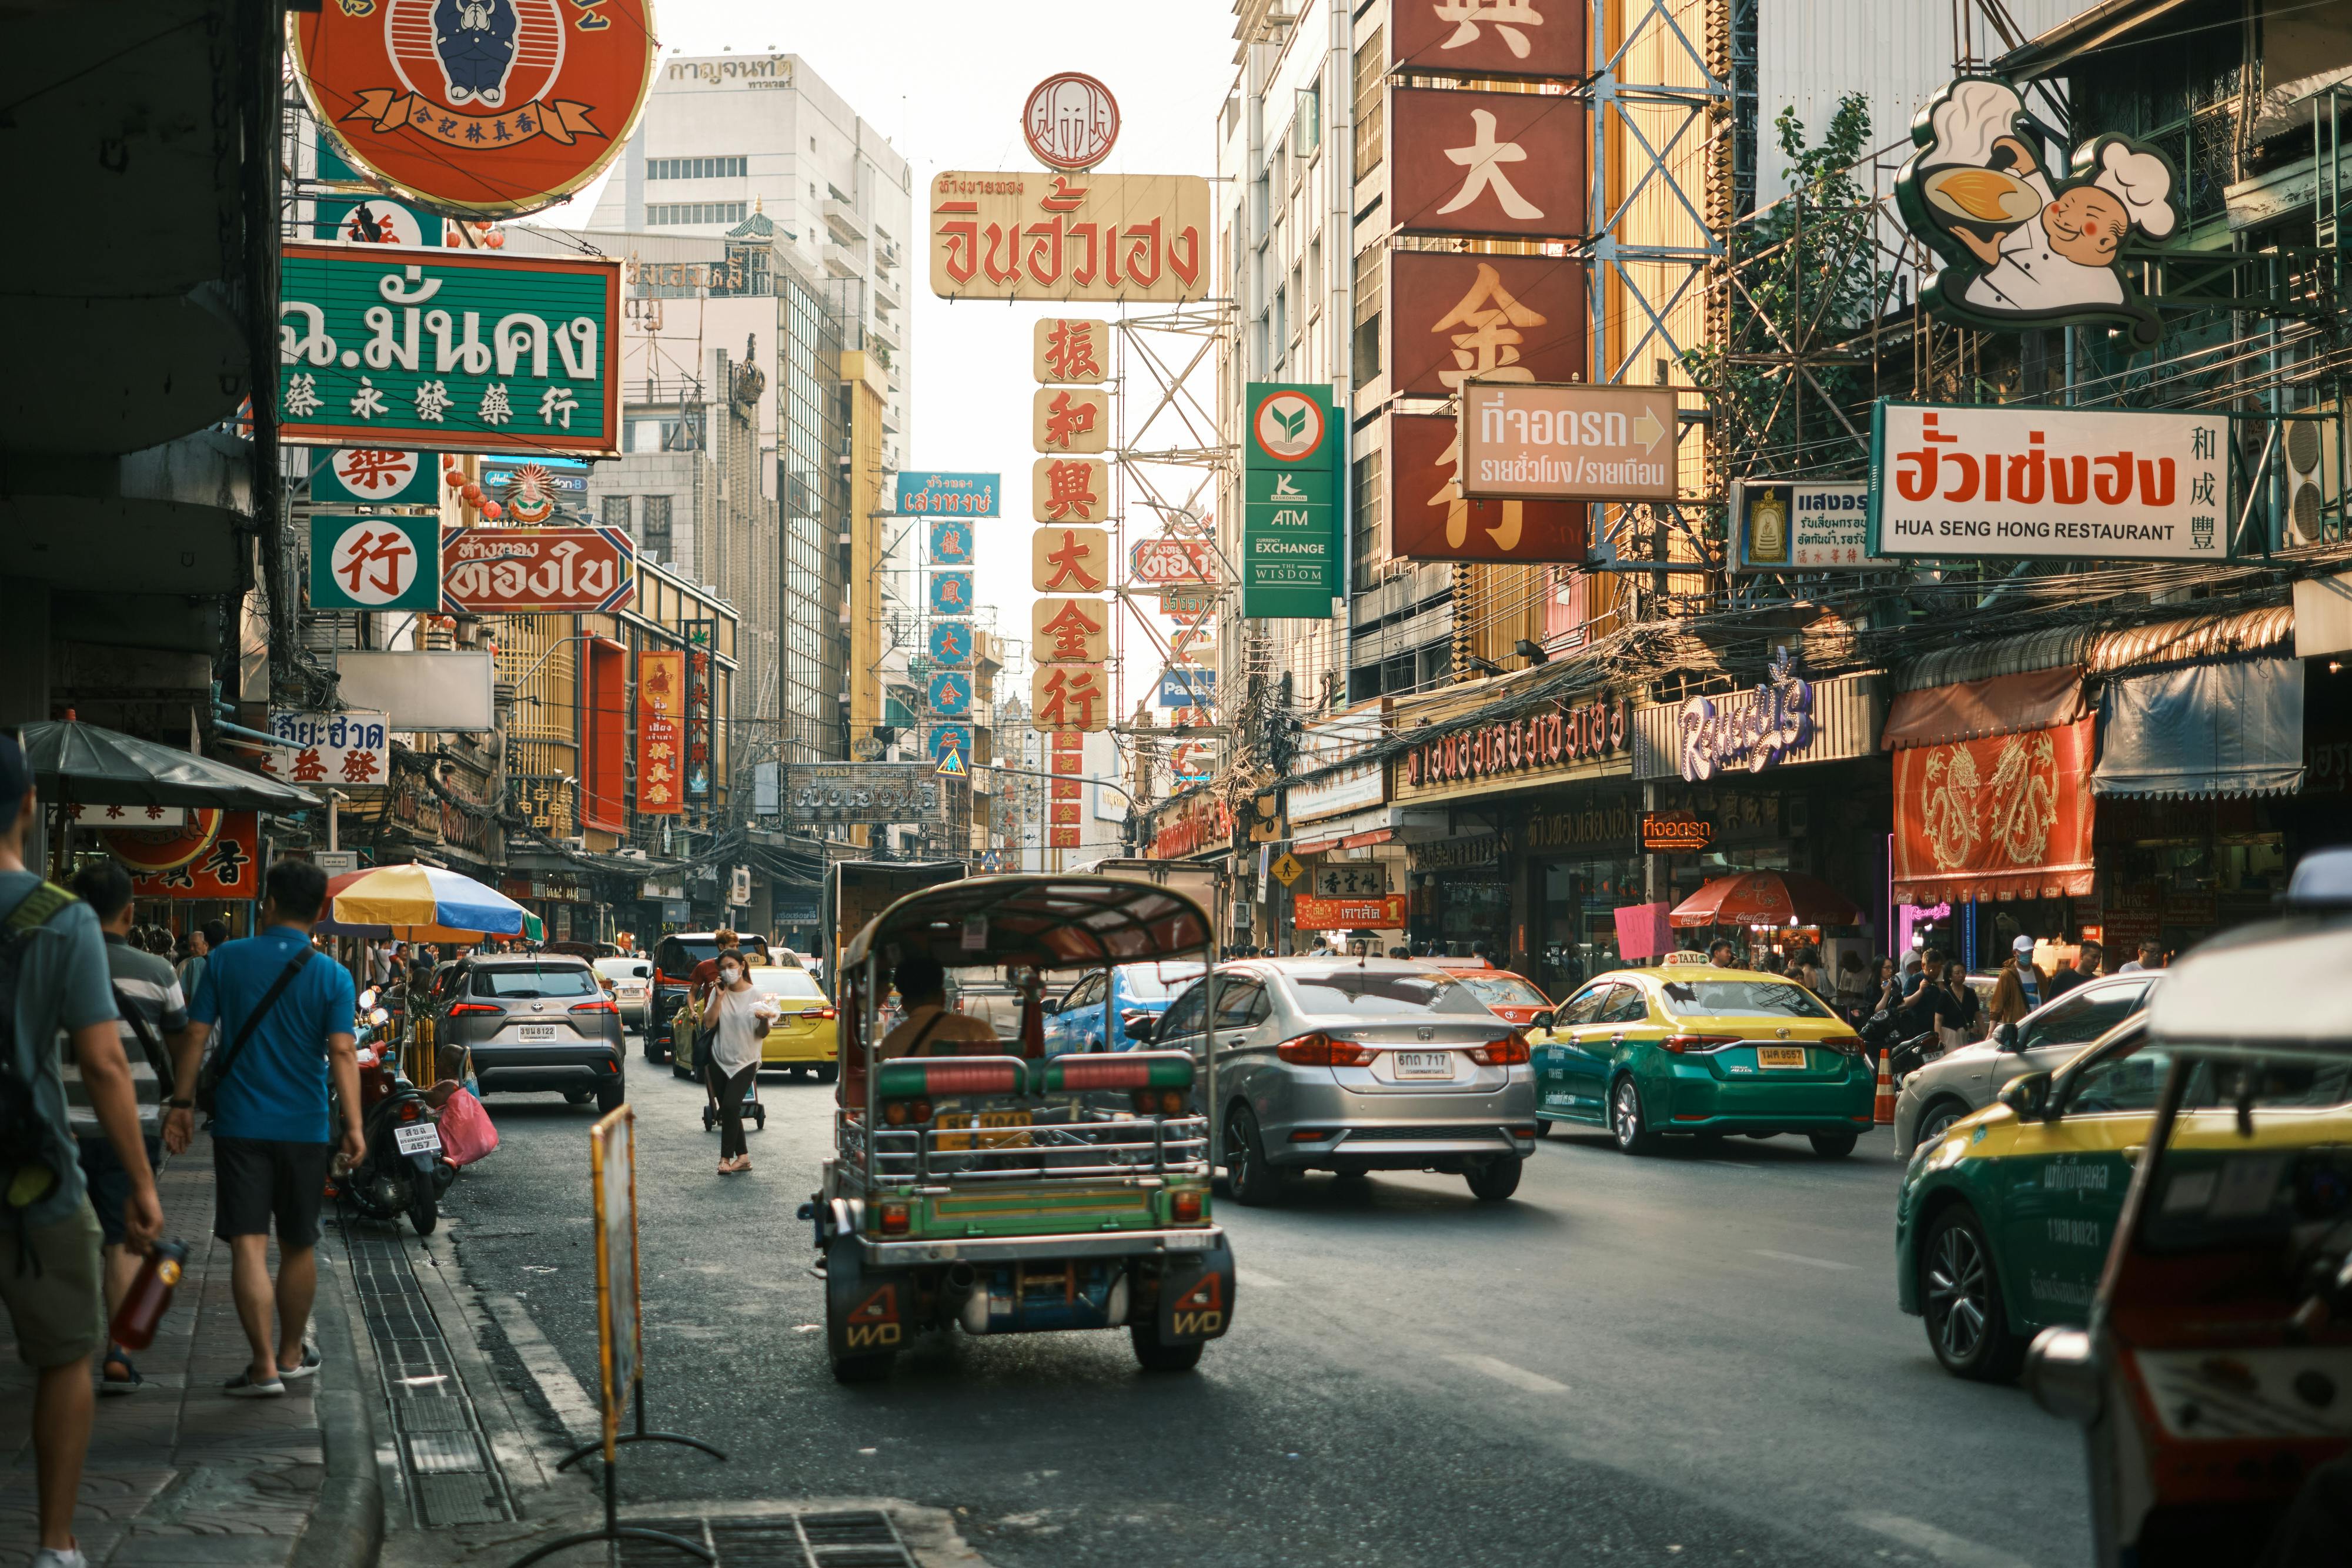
x,y
1291,462
449,349
1030,236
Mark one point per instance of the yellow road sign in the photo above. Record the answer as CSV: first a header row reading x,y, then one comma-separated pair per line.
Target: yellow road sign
x,y
1288,870
951,765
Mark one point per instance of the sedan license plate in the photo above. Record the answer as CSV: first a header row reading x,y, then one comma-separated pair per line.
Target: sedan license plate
x,y
1780,1055
1424,1064
536,1032
417,1138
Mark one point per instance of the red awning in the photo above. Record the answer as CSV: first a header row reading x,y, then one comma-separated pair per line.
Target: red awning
x,y
2000,817
1973,710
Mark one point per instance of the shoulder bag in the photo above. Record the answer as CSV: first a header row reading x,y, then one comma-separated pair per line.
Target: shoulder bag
x,y
220,1063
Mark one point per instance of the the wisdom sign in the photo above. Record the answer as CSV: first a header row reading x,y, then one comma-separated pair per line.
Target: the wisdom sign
x,y
1290,485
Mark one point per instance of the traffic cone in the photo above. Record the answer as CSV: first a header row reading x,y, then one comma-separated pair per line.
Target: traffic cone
x,y
1882,1110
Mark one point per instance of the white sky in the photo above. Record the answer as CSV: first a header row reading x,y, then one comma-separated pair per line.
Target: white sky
x,y
945,81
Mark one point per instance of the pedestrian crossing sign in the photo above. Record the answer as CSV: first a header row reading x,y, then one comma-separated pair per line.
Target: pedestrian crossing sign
x,y
1288,870
951,765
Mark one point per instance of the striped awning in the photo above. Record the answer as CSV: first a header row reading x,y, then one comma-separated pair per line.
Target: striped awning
x,y
2186,641
2001,656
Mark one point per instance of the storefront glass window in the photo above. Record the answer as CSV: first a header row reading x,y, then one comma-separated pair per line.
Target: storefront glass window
x,y
1580,899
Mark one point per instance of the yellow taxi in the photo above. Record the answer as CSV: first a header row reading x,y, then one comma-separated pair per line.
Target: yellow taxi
x,y
1692,1050
805,1036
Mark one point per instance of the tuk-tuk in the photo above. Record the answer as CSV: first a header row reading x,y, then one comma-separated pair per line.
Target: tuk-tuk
x,y
1004,1192
2214,1382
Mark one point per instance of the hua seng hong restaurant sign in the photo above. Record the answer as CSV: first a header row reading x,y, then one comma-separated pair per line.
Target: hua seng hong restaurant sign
x,y
2069,483
1783,719
1588,740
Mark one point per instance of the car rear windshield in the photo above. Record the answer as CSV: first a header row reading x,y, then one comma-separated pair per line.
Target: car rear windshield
x,y
1507,991
1155,982
535,981
1377,991
781,982
1759,999
625,969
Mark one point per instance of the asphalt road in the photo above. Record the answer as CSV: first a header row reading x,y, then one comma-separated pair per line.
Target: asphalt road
x,y
1695,1357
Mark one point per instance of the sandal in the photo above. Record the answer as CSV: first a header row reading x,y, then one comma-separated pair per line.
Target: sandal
x,y
128,1383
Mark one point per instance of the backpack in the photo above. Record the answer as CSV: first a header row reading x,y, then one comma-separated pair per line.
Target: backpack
x,y
27,1139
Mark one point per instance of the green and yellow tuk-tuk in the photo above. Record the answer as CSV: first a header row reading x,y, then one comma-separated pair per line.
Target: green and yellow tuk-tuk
x,y
2214,1382
1000,1190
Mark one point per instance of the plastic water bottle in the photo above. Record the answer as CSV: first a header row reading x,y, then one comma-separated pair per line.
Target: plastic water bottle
x,y
149,1296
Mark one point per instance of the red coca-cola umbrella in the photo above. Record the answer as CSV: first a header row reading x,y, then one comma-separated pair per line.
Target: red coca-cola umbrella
x,y
1765,898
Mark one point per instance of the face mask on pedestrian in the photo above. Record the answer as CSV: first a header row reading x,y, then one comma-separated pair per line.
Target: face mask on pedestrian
x,y
731,975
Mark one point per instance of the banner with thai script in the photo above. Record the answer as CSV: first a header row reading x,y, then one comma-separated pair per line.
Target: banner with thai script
x,y
661,703
1382,913
510,571
927,492
2090,485
337,748
1802,525
1024,236
449,350
2005,817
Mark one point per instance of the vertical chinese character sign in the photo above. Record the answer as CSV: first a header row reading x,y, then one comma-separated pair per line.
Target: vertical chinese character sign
x,y
661,705
1291,462
374,562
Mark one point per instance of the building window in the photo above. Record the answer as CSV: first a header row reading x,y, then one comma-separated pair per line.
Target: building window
x,y
1307,130
697,168
654,538
1370,548
663,214
1371,75
617,512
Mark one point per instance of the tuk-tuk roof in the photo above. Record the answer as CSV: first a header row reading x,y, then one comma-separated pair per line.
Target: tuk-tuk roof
x,y
2281,987
1047,921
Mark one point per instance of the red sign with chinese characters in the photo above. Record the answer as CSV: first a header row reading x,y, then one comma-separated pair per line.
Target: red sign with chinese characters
x,y
228,866
144,850
493,109
1429,519
1487,37
1488,163
661,736
1455,318
1384,913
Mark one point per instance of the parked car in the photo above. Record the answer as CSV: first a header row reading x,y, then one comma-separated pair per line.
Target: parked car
x,y
1357,1065
674,957
1092,1015
1689,1048
805,1036
1512,996
1965,1080
631,985
534,1021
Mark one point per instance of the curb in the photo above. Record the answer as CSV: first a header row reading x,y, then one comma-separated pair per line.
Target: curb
x,y
346,1529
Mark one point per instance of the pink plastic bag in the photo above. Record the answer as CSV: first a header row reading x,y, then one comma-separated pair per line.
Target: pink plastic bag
x,y
467,1132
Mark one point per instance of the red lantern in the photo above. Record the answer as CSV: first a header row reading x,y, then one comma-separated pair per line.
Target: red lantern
x,y
492,510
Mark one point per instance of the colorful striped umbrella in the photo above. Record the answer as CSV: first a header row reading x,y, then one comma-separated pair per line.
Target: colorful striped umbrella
x,y
419,903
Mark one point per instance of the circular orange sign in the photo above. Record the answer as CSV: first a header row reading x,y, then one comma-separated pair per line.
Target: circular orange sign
x,y
1070,121
145,851
477,107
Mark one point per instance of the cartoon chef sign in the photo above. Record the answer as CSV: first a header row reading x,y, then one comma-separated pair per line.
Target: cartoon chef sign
x,y
2021,251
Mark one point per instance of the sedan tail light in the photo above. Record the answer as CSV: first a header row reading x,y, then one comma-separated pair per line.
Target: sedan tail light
x,y
459,1009
1508,1051
821,1013
601,1005
1844,1044
1322,1050
1697,1044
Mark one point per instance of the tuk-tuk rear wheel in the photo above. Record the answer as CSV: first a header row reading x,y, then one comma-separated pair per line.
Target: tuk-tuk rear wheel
x,y
1155,1355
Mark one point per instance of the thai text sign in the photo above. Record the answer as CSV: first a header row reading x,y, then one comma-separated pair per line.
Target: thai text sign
x,y
1488,38
872,792
1453,317
507,571
1070,236
445,349
1675,833
1802,525
374,563
338,749
1384,913
1588,731
1431,519
1487,163
661,706
927,491
1158,563
1291,464
2073,484
375,476
1569,443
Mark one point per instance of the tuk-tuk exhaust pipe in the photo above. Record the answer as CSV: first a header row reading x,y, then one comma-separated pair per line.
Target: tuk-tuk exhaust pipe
x,y
956,1288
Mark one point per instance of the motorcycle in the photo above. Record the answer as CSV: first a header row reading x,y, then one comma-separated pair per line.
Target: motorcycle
x,y
403,1171
1883,1032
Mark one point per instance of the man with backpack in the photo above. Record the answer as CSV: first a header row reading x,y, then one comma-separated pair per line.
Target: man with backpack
x,y
52,981
284,1022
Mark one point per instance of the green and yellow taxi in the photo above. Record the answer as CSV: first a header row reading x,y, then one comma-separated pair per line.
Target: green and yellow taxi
x,y
1690,1050
804,1037
2002,1224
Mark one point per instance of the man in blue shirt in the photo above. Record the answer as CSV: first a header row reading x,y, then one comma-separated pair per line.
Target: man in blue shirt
x,y
271,1137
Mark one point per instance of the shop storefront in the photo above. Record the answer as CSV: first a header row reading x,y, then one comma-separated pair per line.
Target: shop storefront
x,y
1583,865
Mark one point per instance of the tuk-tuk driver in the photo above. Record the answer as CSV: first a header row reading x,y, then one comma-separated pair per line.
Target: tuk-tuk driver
x,y
928,1028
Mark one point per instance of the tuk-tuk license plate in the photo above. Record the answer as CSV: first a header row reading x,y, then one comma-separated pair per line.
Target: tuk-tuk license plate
x,y
1780,1055
417,1138
1424,1064
536,1032
984,1119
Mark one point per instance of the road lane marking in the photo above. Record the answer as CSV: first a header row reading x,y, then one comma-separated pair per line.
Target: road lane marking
x,y
1941,1544
1800,1258
1504,1372
581,1416
1257,1281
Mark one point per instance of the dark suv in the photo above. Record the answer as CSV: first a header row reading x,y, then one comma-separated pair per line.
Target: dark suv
x,y
534,1021
675,958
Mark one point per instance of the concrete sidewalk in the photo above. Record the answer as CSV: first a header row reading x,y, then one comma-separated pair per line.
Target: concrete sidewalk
x,y
179,1473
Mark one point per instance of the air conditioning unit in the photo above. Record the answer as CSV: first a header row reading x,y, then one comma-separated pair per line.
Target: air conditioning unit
x,y
2314,478
632,855
577,842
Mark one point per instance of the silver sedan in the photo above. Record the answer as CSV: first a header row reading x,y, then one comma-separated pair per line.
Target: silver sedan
x,y
1354,1065
1961,1083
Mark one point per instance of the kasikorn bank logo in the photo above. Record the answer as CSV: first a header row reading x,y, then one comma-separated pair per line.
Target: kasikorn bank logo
x,y
1288,426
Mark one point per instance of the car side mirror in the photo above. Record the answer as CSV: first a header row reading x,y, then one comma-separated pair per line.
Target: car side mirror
x,y
1543,1020
2006,1037
1050,1005
2028,1096
1138,1025
367,998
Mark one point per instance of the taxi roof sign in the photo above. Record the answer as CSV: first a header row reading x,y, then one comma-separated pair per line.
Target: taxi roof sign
x,y
1688,957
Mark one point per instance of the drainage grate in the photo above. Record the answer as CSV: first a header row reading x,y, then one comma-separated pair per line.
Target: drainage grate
x,y
451,1477
856,1538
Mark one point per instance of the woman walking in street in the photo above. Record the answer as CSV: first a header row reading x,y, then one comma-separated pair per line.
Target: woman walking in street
x,y
735,1014
1962,1021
